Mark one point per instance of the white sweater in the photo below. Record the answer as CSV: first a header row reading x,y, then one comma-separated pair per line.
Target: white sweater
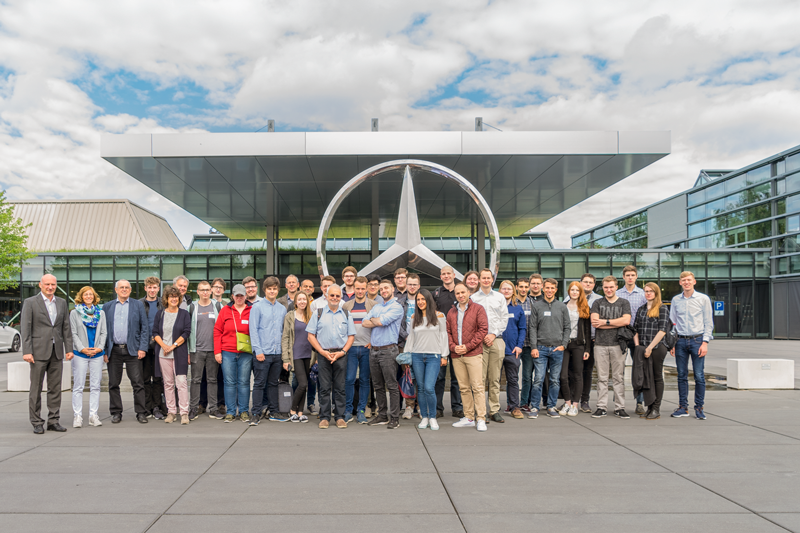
x,y
429,339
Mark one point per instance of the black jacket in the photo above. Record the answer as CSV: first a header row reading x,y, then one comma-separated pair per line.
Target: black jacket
x,y
642,376
584,337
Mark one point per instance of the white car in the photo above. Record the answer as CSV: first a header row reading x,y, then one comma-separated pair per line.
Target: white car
x,y
9,337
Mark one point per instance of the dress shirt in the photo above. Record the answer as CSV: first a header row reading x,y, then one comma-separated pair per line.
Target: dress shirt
x,y
121,321
496,310
266,326
693,316
635,298
52,311
461,313
390,314
332,329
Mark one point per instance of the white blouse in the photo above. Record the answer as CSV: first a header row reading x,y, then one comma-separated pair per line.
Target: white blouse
x,y
429,339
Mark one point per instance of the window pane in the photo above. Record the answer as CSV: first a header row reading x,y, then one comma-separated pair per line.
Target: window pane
x,y
172,266
647,265
793,203
105,290
196,268
670,265
527,264
734,184
792,162
715,191
575,266
759,174
336,263
56,266
696,213
102,268
125,268
290,264
551,266
696,198
696,264
600,265
219,266
149,265
742,265
359,261
243,266
792,183
718,265
79,269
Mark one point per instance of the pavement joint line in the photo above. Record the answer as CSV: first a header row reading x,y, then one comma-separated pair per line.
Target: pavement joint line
x,y
439,475
690,480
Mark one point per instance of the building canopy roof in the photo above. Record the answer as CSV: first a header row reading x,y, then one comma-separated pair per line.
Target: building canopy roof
x,y
241,182
86,225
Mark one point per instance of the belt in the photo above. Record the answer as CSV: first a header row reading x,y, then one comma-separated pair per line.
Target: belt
x,y
123,346
332,350
690,336
574,339
383,347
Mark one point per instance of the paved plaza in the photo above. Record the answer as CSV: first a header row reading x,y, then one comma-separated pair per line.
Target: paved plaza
x,y
738,471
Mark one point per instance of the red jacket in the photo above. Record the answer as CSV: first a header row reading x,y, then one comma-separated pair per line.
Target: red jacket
x,y
225,329
474,328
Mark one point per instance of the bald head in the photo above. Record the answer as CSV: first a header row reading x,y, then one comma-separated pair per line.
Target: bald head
x,y
48,285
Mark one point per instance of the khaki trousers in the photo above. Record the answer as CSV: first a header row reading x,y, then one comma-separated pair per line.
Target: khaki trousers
x,y
605,357
492,366
469,375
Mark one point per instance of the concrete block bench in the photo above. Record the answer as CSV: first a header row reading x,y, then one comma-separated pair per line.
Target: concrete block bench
x,y
19,377
760,374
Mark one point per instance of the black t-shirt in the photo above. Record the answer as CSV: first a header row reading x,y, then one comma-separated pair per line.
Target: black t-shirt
x,y
609,311
445,300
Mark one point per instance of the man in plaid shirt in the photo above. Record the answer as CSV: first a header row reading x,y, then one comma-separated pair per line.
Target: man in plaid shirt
x,y
635,297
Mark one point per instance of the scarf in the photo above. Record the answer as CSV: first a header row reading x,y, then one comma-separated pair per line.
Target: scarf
x,y
90,315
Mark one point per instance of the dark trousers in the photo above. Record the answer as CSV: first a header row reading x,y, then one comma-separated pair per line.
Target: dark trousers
x,y
383,371
332,377
153,385
265,376
631,348
455,392
204,365
133,367
220,387
572,373
301,369
658,355
588,368
53,367
511,364
311,392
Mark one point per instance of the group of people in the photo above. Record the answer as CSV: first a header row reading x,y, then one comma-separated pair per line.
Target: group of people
x,y
351,346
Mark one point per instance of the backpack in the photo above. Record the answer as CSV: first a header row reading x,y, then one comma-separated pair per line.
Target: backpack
x,y
320,310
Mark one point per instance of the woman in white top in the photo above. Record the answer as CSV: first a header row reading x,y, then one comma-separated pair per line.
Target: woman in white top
x,y
428,345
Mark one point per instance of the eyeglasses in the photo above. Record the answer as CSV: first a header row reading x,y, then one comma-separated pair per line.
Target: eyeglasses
x,y
334,296
218,287
203,290
249,286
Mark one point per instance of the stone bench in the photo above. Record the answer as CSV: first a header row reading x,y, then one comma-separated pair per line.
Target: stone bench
x,y
760,374
19,377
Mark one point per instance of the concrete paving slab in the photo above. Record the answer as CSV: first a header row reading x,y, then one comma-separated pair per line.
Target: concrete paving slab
x,y
309,434
731,458
331,493
759,492
11,451
516,433
789,431
790,521
78,523
691,434
610,493
128,493
768,414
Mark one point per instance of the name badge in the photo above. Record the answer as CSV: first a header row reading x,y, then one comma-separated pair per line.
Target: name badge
x,y
211,315
547,313
528,312
245,321
509,315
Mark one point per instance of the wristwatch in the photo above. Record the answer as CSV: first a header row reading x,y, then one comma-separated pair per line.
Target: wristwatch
x,y
608,322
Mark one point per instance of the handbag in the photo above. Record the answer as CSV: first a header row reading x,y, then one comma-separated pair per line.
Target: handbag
x,y
242,340
407,385
403,358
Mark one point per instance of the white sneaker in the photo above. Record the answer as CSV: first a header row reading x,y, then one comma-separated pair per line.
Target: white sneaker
x,y
94,420
564,410
464,423
434,424
481,425
408,413
423,424
77,421
573,411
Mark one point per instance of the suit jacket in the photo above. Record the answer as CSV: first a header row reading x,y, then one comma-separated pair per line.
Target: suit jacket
x,y
39,335
138,326
284,301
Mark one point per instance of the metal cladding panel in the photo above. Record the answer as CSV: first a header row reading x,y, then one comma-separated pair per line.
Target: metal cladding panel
x,y
645,142
383,143
666,222
539,142
229,144
128,145
157,232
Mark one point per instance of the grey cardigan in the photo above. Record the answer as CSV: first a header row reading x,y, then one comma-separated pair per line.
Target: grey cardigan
x,y
287,341
79,336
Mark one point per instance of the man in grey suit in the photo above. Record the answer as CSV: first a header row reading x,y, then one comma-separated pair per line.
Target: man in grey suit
x,y
46,342
128,340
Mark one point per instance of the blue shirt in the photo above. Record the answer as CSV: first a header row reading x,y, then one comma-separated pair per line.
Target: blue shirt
x,y
266,326
121,322
515,333
91,334
332,329
390,314
152,309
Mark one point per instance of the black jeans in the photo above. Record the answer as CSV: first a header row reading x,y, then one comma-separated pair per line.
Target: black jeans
x,y
153,385
588,368
383,371
265,375
455,392
53,368
658,355
572,372
133,367
301,369
511,365
332,377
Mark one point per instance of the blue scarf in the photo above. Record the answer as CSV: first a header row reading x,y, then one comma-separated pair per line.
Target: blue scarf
x,y
90,315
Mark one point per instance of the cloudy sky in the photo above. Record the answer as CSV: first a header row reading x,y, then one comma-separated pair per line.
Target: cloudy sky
x,y
722,76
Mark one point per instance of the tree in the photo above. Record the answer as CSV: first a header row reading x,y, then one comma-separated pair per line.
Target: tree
x,y
13,245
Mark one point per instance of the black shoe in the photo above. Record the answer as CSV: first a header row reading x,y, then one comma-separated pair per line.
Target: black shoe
x,y
157,414
585,407
653,414
439,414
394,423
215,414
201,410
116,419
142,418
600,413
645,414
38,429
497,417
194,414
640,409
378,421
458,414
620,413
56,427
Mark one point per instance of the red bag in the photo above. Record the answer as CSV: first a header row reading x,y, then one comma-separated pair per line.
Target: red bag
x,y
407,385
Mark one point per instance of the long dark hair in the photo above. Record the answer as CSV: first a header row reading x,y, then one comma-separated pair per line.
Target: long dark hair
x,y
430,310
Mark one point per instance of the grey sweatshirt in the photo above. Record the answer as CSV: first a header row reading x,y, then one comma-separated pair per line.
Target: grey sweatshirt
x,y
549,323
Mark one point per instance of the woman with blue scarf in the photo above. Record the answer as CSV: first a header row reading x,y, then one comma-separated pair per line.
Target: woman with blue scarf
x,y
88,324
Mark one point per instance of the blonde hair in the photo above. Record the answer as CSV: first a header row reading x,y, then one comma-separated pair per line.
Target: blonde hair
x,y
686,274
514,295
652,312
84,290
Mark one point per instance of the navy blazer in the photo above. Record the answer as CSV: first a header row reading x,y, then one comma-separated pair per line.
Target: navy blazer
x,y
182,328
138,326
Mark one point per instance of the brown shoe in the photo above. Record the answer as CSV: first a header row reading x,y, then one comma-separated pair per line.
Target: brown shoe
x,y
323,424
170,418
516,413
341,424
184,420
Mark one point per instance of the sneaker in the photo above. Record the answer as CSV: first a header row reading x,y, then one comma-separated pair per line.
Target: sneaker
x,y
194,414
600,413
323,424
564,411
294,418
229,418
458,414
423,424
516,413
534,413
698,412
481,425
362,418
278,417
150,414
184,420
368,412
573,410
265,414
507,410
255,420
341,424
640,409
680,412
620,413
244,417
408,413
552,413
464,423
434,424
312,410
94,420
303,419
170,418
585,407
216,414
77,421
394,423
157,414
348,417
378,421
525,408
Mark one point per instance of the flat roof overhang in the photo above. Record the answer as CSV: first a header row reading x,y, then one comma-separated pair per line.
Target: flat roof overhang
x,y
239,183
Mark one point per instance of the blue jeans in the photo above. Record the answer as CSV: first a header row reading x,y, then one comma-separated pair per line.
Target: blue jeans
x,y
426,369
236,368
357,362
265,377
547,355
527,373
684,349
